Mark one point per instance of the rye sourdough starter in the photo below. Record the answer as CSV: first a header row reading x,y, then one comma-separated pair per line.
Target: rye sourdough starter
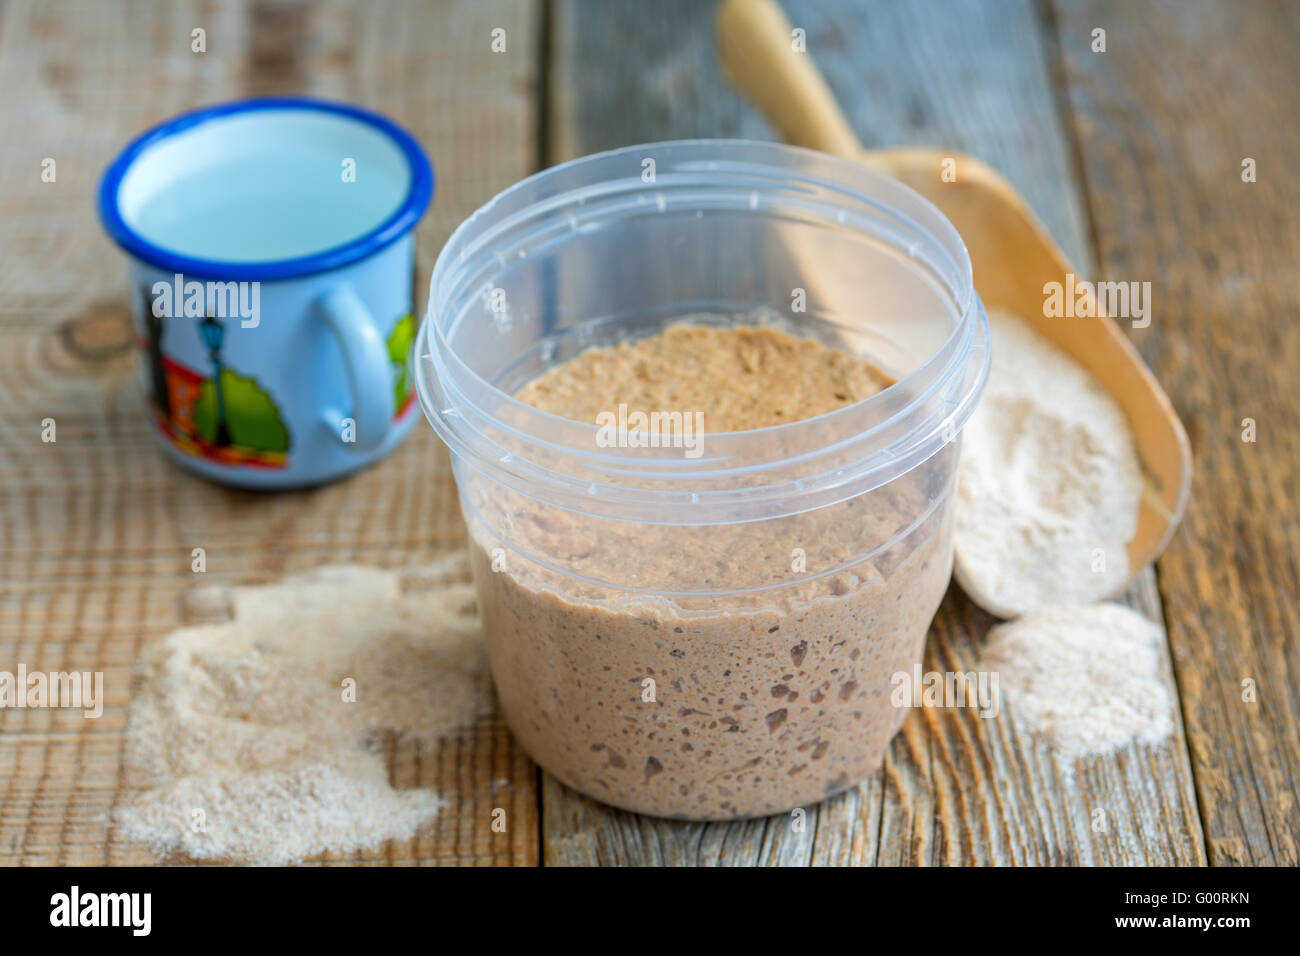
x,y
733,702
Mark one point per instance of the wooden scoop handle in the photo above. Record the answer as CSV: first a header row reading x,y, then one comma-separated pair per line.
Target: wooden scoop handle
x,y
756,49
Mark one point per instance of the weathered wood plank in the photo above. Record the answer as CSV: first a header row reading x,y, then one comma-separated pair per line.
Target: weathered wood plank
x,y
1217,83
955,788
96,530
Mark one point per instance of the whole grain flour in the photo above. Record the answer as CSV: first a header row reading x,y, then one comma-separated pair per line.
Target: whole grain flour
x,y
1049,484
257,739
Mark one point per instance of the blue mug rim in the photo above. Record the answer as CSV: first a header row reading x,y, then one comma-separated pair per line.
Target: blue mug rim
x,y
402,220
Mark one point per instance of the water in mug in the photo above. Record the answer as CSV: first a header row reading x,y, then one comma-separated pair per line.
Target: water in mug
x,y
248,210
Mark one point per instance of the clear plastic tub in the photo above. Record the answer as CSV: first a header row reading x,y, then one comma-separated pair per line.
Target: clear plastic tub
x,y
718,636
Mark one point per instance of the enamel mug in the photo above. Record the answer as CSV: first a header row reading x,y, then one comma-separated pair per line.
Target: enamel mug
x,y
271,252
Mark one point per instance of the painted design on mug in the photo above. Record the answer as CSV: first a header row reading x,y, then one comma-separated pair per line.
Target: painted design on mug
x,y
224,417
401,343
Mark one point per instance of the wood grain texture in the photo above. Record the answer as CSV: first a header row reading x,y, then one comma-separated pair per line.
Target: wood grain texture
x,y
96,530
954,788
1216,83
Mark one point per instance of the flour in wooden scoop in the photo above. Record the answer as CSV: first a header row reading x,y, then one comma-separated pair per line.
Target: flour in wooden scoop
x,y
255,739
1049,483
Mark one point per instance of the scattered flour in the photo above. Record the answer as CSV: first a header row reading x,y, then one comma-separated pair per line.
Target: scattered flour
x,y
246,719
1049,483
1087,679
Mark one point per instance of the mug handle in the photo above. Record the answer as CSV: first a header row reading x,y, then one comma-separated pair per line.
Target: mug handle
x,y
365,357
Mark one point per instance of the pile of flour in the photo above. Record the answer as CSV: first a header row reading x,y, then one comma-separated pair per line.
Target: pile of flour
x,y
1085,678
257,739
1049,483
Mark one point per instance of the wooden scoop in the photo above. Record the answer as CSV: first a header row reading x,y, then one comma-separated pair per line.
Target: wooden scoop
x,y
1011,253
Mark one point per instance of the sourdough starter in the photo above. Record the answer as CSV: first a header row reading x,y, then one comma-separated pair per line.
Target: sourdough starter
x,y
770,690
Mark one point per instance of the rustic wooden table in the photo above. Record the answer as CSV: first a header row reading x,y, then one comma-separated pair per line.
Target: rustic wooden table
x,y
1133,158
